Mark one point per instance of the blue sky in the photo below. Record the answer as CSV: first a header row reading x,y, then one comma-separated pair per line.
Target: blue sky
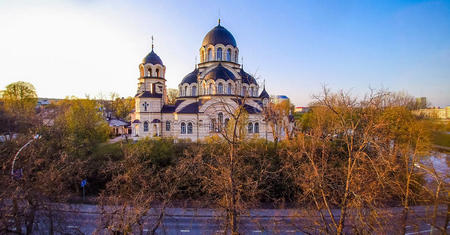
x,y
95,46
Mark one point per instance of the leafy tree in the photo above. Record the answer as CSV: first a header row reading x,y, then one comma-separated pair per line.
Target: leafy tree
x,y
122,107
82,125
17,106
172,95
20,98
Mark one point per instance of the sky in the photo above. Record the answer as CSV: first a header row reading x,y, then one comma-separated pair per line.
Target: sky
x,y
94,47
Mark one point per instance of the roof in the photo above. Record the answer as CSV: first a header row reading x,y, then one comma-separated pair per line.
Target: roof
x,y
190,108
219,35
156,121
264,94
152,58
117,122
250,109
247,78
168,109
148,94
190,78
220,72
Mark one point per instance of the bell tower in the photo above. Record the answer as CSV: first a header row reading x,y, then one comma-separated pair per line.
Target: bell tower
x,y
151,93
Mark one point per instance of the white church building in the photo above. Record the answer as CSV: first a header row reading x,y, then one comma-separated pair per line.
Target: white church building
x,y
206,94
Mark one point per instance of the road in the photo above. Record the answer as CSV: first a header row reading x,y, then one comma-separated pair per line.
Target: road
x,y
85,219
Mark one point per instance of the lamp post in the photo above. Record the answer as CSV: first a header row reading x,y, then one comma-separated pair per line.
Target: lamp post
x,y
35,137
436,194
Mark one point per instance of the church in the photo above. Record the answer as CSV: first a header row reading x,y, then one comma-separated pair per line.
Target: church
x,y
206,96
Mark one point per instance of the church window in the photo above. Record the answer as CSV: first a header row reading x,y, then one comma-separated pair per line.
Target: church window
x,y
210,89
256,127
220,88
167,126
194,91
229,54
251,91
185,91
212,125
189,128
236,58
220,118
227,120
229,89
202,56
183,128
219,54
244,91
209,54
250,127
145,126
157,73
149,72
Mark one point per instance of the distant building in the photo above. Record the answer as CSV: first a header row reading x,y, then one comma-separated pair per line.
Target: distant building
x,y
42,102
301,109
435,112
421,102
278,98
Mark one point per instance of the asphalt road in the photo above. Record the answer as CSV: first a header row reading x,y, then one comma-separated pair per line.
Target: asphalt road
x,y
85,219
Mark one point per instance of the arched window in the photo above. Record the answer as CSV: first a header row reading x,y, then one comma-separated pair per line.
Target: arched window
x,y
189,128
167,126
210,89
229,54
236,57
212,125
209,54
185,91
145,126
202,56
220,88
226,122
251,91
181,91
220,118
256,127
194,91
229,89
250,127
244,91
183,128
157,73
149,72
219,54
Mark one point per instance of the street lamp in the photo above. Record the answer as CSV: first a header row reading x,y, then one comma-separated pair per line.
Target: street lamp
x,y
436,195
35,137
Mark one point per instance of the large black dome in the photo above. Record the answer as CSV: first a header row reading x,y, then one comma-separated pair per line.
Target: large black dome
x,y
220,72
152,58
219,35
191,77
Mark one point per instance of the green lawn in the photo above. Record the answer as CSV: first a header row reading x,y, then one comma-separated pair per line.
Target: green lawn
x,y
441,139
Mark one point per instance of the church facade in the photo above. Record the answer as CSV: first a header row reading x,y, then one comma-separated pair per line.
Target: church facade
x,y
207,95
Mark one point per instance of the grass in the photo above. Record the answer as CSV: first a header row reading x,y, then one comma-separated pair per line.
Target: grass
x,y
441,139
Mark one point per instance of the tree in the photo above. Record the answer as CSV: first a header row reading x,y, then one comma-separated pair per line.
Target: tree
x,y
277,115
172,95
18,104
143,183
355,155
122,107
82,125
